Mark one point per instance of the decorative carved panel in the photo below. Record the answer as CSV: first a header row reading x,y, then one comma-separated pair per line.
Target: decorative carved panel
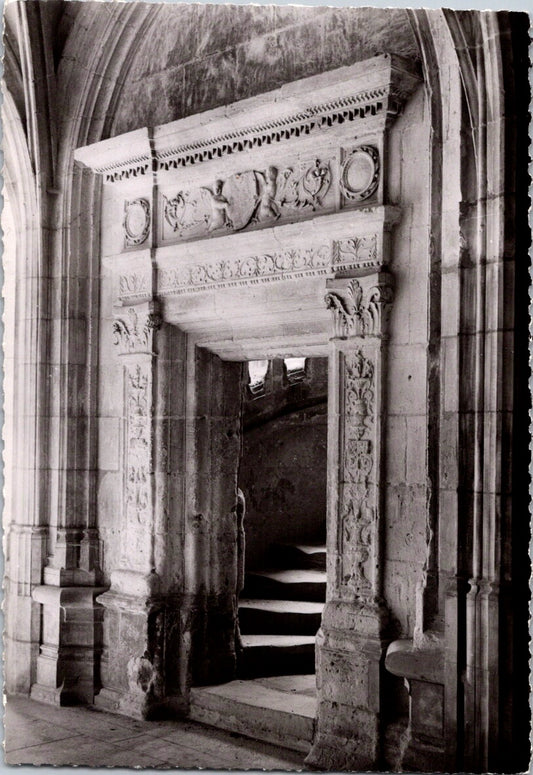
x,y
138,443
359,176
357,507
359,311
248,198
134,330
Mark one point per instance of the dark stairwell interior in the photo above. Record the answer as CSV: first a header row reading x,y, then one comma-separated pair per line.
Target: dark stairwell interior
x,y
283,479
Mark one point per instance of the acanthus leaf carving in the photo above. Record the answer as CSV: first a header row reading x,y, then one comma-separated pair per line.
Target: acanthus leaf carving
x,y
359,312
133,332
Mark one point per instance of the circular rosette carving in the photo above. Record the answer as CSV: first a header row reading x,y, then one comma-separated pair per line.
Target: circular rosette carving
x,y
198,275
249,267
215,272
360,173
265,265
136,222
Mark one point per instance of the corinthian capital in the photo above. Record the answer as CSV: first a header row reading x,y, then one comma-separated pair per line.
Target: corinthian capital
x,y
133,328
360,306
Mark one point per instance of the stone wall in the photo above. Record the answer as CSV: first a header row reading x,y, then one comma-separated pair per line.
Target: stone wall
x,y
196,58
407,492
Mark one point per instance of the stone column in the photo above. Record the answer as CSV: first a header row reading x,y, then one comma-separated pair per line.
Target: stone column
x,y
352,639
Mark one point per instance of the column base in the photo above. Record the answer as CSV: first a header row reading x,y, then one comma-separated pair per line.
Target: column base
x,y
350,651
350,743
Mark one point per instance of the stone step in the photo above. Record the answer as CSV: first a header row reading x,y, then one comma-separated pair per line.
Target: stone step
x,y
271,712
304,555
279,616
294,584
267,655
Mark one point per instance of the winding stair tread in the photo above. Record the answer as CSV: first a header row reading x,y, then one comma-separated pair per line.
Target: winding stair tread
x,y
291,576
277,641
282,606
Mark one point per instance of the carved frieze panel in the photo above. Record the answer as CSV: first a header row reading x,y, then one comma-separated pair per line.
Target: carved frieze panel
x,y
284,264
361,307
136,223
250,198
357,513
336,256
134,285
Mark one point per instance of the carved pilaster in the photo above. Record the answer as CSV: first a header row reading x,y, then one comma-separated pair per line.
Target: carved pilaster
x,y
130,605
352,638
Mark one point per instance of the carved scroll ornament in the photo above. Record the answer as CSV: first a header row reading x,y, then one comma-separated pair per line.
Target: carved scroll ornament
x,y
358,312
138,452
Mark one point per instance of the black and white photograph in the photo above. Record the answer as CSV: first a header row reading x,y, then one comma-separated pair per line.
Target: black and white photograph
x,y
265,387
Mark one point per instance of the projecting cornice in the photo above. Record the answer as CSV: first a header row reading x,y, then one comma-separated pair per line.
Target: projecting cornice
x,y
376,88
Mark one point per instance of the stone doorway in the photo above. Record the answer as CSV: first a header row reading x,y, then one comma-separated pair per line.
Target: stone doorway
x,y
187,307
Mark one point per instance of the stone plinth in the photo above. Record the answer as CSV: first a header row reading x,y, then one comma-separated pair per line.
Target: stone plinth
x,y
70,644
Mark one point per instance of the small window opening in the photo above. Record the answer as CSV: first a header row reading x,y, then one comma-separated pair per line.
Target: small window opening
x,y
257,371
295,369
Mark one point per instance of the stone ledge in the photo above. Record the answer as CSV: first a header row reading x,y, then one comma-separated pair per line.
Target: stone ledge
x,y
419,664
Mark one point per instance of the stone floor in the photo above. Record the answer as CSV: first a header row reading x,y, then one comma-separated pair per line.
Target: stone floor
x,y
40,734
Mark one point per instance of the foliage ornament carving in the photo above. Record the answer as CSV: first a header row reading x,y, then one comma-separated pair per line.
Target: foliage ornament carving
x,y
138,454
359,177
133,285
358,312
134,332
136,222
357,509
285,264
344,255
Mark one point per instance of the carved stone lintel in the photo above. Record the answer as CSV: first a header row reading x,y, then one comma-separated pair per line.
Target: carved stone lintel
x,y
134,328
360,307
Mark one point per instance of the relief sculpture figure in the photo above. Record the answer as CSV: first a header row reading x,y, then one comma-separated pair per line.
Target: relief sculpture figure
x,y
266,207
219,208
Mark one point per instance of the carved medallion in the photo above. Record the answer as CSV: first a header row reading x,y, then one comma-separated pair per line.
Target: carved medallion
x,y
136,222
359,176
